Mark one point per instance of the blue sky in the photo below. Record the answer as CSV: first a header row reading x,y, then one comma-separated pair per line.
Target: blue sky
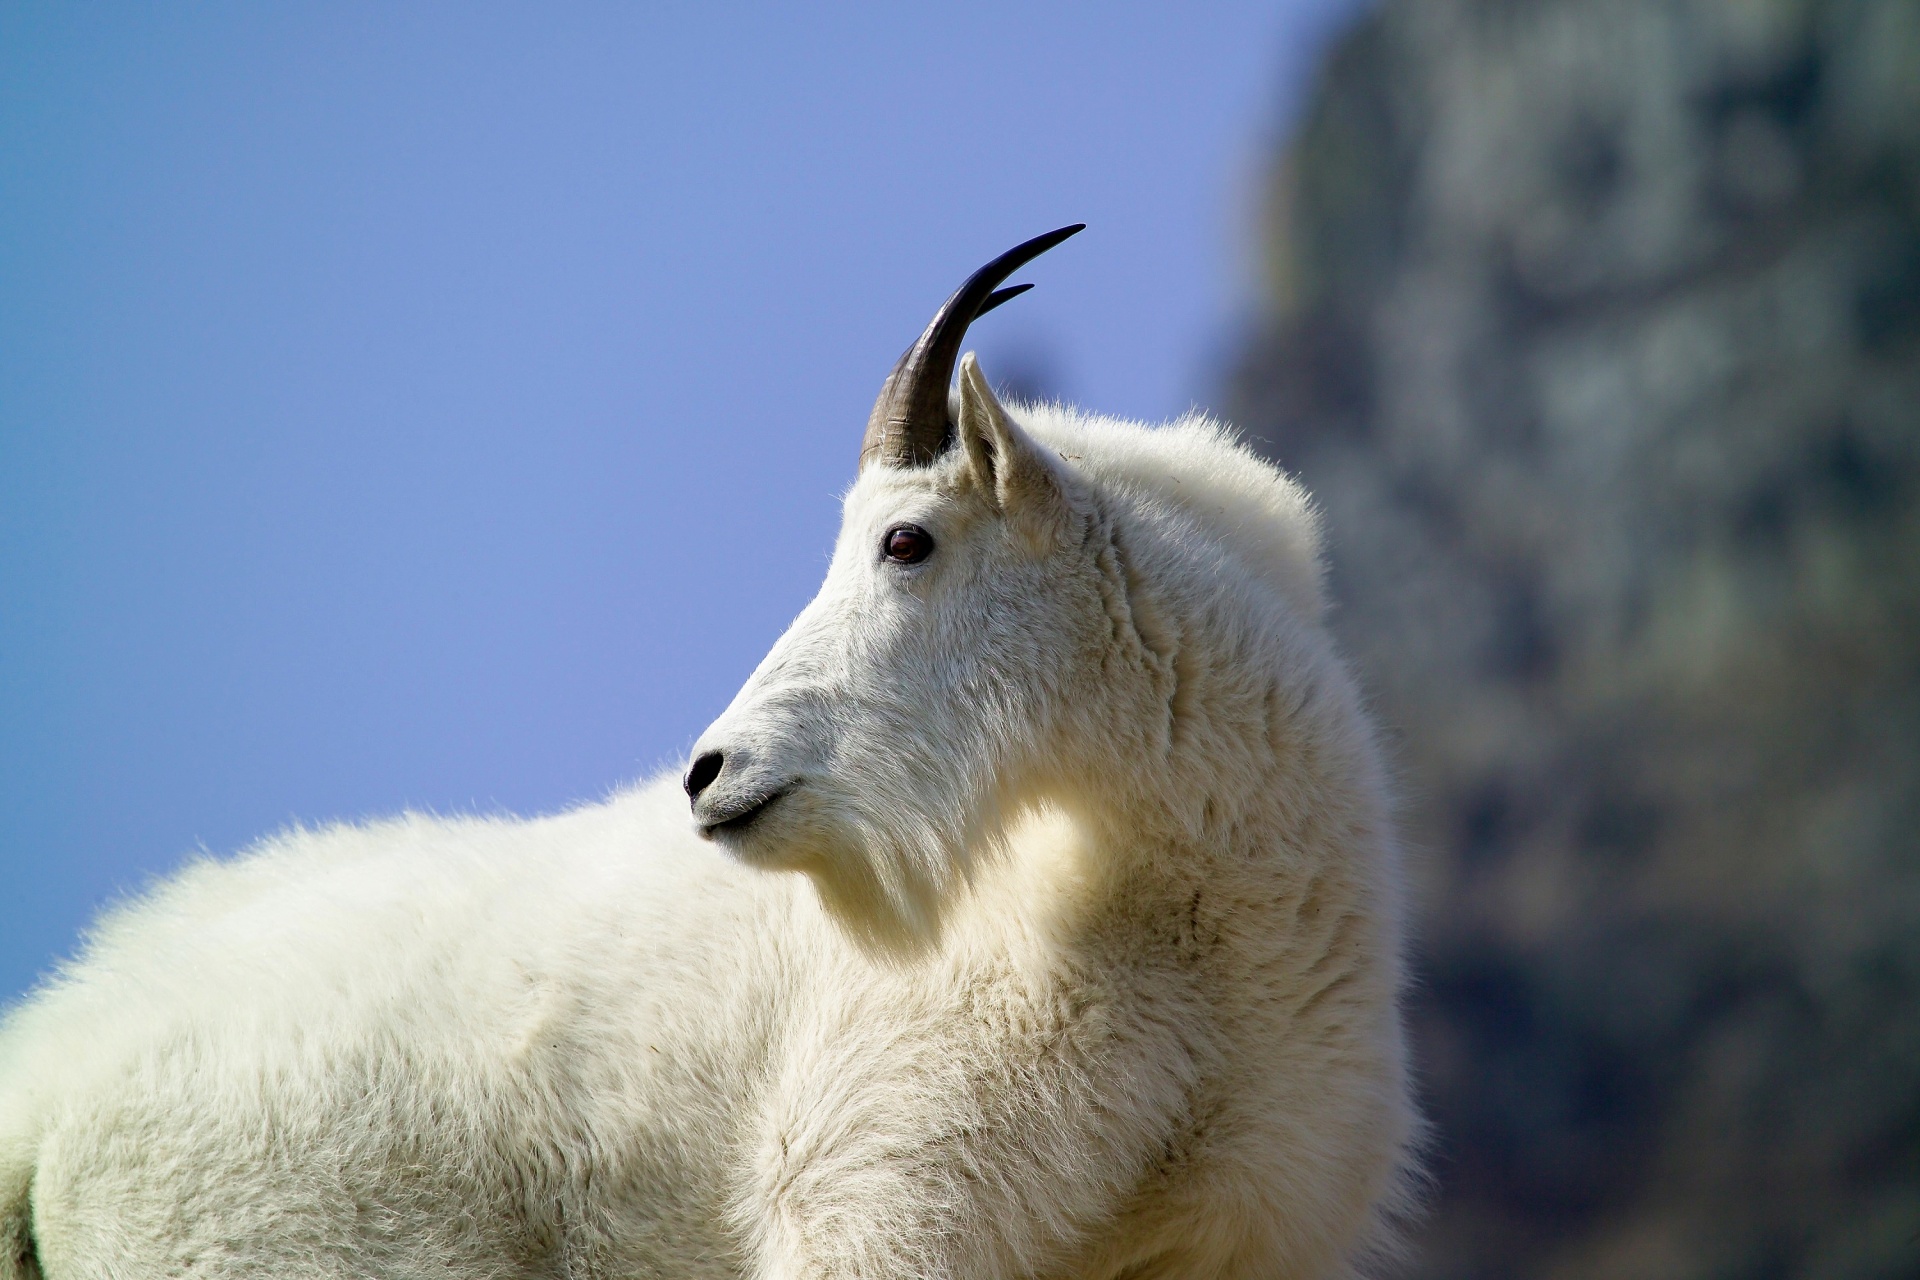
x,y
445,406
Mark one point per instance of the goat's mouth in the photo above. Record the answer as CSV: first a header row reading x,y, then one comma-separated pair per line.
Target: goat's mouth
x,y
736,816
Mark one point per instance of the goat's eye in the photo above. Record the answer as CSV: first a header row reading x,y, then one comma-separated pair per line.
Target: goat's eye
x,y
907,544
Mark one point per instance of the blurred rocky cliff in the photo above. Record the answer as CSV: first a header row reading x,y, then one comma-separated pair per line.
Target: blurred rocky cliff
x,y
1595,328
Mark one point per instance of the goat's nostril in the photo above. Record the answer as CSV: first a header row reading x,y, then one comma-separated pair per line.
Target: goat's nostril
x,y
703,772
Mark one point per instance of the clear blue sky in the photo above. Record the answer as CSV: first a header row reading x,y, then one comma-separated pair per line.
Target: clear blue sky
x,y
445,405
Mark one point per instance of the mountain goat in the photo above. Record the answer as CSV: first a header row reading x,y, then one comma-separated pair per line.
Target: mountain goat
x,y
1086,963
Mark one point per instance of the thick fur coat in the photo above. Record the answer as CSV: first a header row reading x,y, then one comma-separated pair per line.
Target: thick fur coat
x,y
1061,937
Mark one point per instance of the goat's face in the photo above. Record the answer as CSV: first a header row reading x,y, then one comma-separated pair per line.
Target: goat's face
x,y
912,706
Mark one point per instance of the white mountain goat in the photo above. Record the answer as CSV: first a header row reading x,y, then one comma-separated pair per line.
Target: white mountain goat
x,y
1059,936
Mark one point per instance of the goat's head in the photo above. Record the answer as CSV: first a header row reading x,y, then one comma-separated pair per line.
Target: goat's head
x,y
907,712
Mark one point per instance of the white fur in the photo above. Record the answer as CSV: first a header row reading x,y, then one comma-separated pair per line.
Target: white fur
x,y
1085,961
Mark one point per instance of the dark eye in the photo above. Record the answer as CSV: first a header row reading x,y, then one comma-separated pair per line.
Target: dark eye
x,y
907,544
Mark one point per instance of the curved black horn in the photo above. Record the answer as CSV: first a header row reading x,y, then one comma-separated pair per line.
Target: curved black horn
x,y
909,425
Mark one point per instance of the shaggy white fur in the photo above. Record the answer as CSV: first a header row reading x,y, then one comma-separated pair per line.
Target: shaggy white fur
x,y
1085,959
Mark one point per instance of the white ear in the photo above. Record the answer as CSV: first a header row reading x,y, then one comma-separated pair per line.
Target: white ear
x,y
1007,463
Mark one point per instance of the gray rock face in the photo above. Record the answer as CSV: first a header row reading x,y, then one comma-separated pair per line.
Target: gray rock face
x,y
1596,329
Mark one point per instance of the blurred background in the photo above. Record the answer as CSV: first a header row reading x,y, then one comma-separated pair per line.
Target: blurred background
x,y
445,407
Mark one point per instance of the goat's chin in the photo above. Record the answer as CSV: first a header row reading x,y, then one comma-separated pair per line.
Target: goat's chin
x,y
886,896
760,845
785,834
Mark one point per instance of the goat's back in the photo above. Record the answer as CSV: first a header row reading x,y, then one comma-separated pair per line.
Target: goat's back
x,y
479,1018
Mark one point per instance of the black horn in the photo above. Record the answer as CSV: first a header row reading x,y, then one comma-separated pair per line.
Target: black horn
x,y
909,425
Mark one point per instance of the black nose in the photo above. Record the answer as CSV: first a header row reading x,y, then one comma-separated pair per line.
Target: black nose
x,y
704,771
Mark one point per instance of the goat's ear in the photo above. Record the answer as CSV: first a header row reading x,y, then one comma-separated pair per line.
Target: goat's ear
x,y
1006,462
